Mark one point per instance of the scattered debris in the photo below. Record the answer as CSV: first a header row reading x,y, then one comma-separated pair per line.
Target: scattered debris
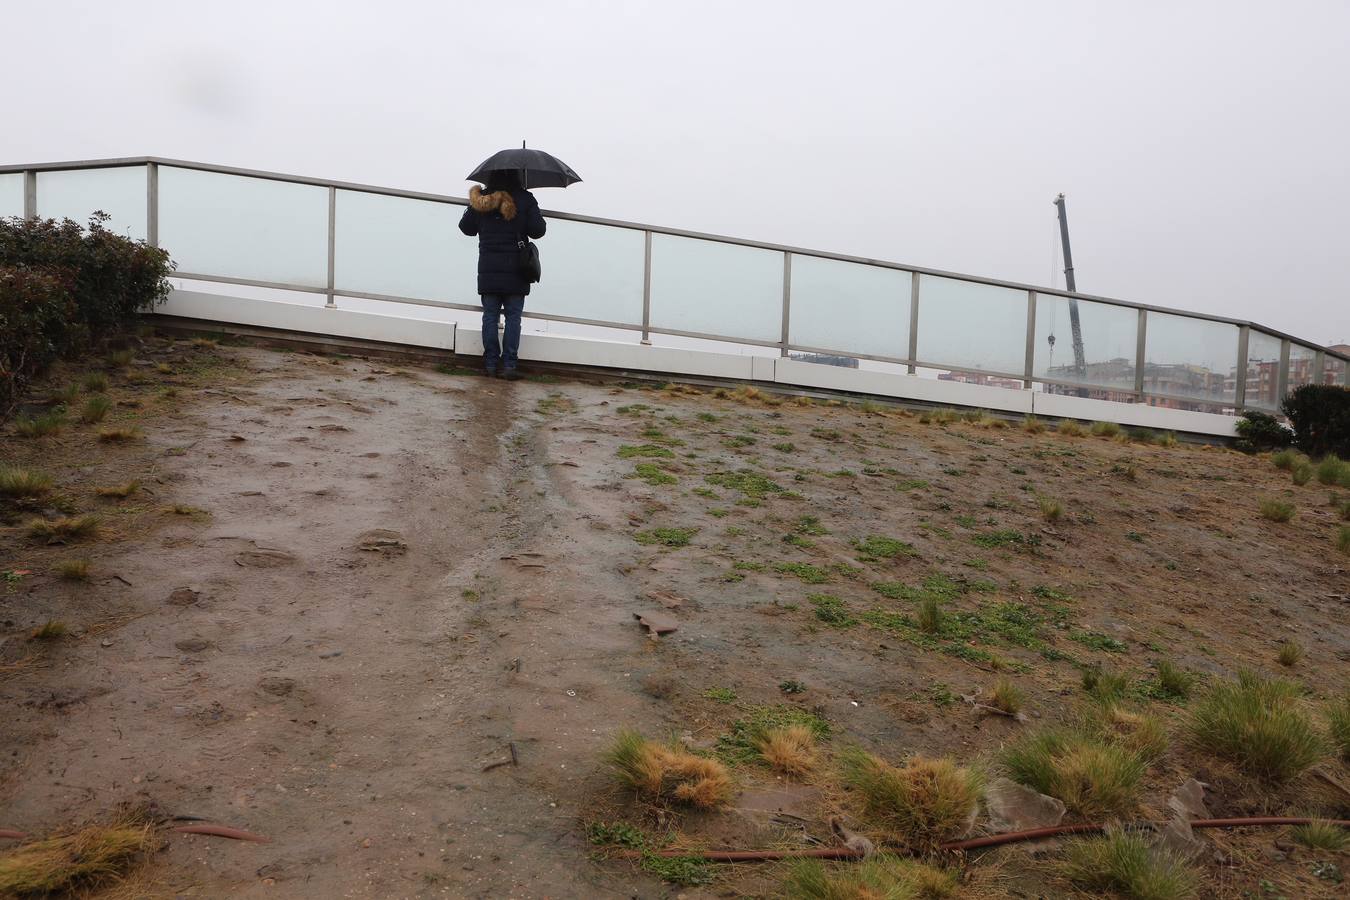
x,y
851,839
331,654
264,559
656,623
667,599
382,541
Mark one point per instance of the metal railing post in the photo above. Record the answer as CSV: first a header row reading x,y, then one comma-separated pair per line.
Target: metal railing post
x,y
1140,347
787,304
1282,384
152,204
30,194
1027,367
913,352
647,288
332,247
1240,388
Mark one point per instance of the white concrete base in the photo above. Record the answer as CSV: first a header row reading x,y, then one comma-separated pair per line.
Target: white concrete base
x,y
634,356
905,387
309,319
1136,414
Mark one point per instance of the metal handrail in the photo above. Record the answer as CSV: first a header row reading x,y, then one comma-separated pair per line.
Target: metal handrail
x,y
152,162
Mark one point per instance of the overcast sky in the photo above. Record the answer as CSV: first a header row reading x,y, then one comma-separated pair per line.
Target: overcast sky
x,y
1204,146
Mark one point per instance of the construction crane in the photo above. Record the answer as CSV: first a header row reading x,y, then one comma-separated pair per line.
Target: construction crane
x,y
1079,359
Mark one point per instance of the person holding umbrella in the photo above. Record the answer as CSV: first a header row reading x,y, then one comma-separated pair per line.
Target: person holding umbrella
x,y
504,217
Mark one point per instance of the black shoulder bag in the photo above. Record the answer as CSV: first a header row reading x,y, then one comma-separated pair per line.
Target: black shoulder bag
x,y
527,258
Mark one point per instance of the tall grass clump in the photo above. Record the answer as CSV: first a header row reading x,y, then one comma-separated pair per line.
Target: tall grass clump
x,y
1277,510
79,860
1338,724
1343,539
1006,697
18,483
95,408
1286,459
1259,726
1302,473
1321,835
930,615
60,531
665,772
1174,681
1105,429
1290,654
1051,510
1091,775
94,382
41,426
1123,862
1033,425
1105,686
1071,428
51,630
1331,470
73,569
878,877
918,805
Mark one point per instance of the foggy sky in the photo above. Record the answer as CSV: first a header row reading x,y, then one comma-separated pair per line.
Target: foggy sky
x,y
1204,147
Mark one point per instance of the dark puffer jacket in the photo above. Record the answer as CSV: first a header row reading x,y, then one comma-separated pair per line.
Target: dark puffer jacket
x,y
500,219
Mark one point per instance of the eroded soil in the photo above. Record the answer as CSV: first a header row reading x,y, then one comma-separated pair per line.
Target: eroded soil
x,y
380,578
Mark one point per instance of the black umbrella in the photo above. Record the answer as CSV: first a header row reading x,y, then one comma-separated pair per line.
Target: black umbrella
x,y
535,168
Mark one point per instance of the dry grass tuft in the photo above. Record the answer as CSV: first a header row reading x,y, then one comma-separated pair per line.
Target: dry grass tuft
x,y
879,877
930,615
1106,429
1258,725
51,630
1071,428
119,490
73,569
61,531
1124,862
1277,510
23,484
918,805
122,433
41,426
94,382
1007,696
1302,473
1290,653
95,856
790,750
1343,539
1338,723
1051,510
1033,425
667,772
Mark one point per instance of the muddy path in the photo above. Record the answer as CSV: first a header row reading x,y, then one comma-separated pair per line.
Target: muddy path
x,y
343,699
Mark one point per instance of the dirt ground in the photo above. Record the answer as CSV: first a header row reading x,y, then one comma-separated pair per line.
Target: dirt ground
x,y
345,587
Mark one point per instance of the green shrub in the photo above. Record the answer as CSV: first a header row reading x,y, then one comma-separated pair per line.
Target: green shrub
x,y
1090,774
1277,510
1331,470
1259,431
63,286
1320,414
1174,681
1321,835
95,408
1338,723
1105,429
1286,459
1259,726
1303,473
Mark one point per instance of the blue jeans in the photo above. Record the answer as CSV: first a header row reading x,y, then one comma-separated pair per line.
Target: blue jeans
x,y
493,307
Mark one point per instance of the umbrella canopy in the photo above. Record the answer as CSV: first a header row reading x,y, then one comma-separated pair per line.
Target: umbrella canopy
x,y
535,168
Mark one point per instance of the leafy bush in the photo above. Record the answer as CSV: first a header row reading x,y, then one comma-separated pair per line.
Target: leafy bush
x,y
1259,431
63,287
1320,414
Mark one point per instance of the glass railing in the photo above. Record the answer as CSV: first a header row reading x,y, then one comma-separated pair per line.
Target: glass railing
x,y
368,243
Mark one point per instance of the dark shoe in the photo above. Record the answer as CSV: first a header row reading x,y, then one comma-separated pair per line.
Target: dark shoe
x,y
489,372
511,375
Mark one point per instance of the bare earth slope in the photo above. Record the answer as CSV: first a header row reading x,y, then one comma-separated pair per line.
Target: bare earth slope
x,y
380,577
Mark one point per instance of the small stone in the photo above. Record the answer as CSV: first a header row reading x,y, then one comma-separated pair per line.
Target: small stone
x,y
277,685
192,645
183,596
106,642
264,559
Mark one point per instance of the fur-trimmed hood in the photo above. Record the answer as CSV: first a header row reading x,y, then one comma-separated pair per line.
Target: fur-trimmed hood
x,y
497,200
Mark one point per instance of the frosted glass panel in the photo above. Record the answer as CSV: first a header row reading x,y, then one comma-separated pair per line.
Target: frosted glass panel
x,y
11,195
241,227
1333,370
1186,357
1109,335
971,326
720,289
590,272
849,307
1263,370
404,248
75,195
1301,362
